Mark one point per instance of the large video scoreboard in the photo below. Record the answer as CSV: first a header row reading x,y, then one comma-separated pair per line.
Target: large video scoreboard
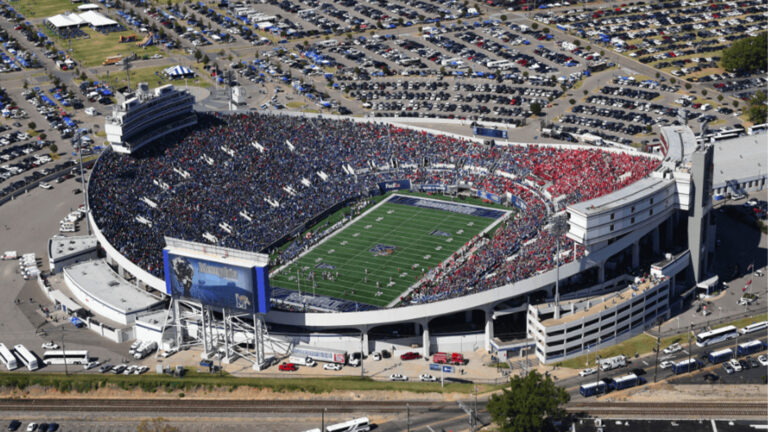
x,y
215,276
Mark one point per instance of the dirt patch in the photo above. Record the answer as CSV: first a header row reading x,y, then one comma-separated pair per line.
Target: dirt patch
x,y
240,393
665,392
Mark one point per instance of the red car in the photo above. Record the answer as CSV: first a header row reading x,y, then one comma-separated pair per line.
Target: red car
x,y
288,367
410,356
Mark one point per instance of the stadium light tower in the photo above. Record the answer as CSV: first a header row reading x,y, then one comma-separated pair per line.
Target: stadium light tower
x,y
558,228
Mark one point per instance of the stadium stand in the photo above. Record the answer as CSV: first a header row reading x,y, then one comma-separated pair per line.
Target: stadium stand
x,y
200,182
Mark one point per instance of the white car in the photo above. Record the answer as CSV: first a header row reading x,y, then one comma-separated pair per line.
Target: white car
x,y
587,372
169,353
46,186
32,427
398,377
735,365
376,356
427,378
675,347
141,369
130,370
50,346
666,364
332,366
763,359
91,365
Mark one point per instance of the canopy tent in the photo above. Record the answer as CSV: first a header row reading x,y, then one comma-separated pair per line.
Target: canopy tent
x,y
179,71
96,19
61,21
88,6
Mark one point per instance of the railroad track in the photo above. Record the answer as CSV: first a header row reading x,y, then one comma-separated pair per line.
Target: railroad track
x,y
672,410
219,406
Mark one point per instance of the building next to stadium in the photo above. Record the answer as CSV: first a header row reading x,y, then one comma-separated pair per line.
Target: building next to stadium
x,y
644,246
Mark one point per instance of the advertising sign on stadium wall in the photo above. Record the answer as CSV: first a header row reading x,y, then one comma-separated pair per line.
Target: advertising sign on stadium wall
x,y
216,284
517,202
394,185
433,187
488,196
494,133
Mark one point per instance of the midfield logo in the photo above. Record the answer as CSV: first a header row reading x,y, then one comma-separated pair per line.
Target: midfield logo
x,y
382,250
439,233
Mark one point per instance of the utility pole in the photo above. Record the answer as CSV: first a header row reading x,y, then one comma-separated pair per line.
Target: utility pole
x,y
690,331
408,417
322,420
658,347
474,412
64,352
597,363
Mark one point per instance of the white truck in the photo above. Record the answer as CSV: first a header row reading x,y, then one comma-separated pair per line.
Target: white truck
x,y
302,361
613,363
329,355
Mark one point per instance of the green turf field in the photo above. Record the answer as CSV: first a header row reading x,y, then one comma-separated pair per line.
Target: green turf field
x,y
421,237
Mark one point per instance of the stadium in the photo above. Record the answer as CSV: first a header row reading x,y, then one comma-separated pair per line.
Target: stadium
x,y
380,234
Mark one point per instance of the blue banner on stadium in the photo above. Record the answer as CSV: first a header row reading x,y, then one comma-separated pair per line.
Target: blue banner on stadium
x,y
394,185
519,203
217,284
493,133
433,187
488,196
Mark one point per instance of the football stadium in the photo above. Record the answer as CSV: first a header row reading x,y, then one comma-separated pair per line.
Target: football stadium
x,y
396,235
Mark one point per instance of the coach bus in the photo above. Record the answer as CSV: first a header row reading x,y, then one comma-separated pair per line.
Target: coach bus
x,y
716,357
716,336
70,357
684,366
626,381
27,357
750,347
592,389
758,326
7,357
361,424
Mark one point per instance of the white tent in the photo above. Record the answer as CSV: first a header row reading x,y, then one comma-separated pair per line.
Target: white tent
x,y
96,19
88,6
66,20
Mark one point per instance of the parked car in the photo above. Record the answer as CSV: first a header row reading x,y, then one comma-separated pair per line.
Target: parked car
x,y
728,368
675,347
287,367
50,346
666,364
410,356
763,359
14,425
90,365
105,368
587,372
376,356
332,366
427,378
398,377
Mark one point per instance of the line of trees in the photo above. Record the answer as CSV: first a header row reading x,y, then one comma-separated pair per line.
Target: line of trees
x,y
747,55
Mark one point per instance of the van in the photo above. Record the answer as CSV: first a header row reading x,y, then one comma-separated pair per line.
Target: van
x,y
67,227
91,111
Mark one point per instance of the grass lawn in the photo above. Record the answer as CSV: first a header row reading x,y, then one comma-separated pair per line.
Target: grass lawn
x,y
43,8
395,244
152,75
151,383
94,50
643,344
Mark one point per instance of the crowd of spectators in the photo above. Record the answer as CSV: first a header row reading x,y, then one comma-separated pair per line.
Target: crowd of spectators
x,y
253,180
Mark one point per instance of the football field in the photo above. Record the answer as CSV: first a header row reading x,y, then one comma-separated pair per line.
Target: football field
x,y
374,259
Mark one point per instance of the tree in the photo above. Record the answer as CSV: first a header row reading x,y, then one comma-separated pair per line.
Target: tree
x,y
206,60
571,101
536,108
529,405
535,26
758,111
747,55
704,92
672,81
54,148
32,125
687,86
504,18
719,98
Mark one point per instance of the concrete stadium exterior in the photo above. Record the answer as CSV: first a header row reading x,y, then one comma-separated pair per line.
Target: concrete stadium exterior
x,y
640,229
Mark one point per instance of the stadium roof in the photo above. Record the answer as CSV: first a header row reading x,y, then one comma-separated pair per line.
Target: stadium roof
x,y
740,158
681,143
103,285
63,247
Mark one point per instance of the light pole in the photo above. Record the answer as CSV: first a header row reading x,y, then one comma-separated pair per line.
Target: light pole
x,y
558,228
690,332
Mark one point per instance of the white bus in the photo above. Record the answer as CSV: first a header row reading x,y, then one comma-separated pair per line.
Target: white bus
x,y
7,357
716,336
361,424
27,357
758,326
70,357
